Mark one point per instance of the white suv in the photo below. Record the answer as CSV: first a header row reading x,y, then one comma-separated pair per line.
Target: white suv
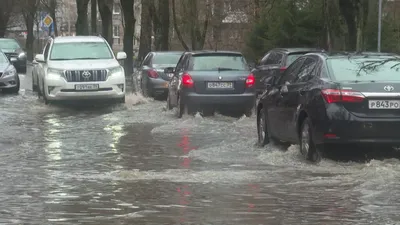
x,y
79,68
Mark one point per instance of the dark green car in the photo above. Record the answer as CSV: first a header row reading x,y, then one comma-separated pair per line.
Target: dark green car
x,y
11,48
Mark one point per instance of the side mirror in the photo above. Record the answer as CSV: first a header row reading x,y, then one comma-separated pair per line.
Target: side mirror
x,y
39,58
34,62
121,55
13,59
169,70
252,65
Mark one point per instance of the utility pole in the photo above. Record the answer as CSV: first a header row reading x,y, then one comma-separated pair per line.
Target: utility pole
x,y
379,25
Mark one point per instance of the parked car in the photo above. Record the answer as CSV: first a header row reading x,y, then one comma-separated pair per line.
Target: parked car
x,y
13,49
324,100
153,82
275,62
210,80
80,68
9,80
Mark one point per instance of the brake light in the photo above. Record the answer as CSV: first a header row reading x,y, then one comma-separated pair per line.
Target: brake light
x,y
152,73
187,80
282,69
250,81
334,95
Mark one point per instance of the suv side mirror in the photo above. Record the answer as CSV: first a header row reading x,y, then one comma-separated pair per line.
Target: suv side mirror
x,y
121,55
39,58
169,70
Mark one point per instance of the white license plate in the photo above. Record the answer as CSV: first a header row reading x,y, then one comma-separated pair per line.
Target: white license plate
x,y
220,85
384,104
84,87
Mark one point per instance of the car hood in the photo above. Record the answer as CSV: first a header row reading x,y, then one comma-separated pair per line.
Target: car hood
x,y
4,66
83,64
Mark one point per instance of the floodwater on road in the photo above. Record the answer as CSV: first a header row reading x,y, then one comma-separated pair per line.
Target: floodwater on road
x,y
138,164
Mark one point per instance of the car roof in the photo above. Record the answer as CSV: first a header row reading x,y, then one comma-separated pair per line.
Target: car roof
x,y
297,50
211,52
343,54
167,52
68,39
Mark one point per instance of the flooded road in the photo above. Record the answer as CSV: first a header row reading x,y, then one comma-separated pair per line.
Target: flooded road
x,y
137,164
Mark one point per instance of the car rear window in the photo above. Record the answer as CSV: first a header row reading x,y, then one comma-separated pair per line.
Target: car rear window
x,y
291,58
365,69
166,58
215,62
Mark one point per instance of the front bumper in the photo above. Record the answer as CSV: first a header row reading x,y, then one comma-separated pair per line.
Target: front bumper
x,y
57,89
8,81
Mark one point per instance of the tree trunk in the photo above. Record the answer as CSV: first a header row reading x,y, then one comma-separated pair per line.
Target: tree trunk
x,y
165,24
93,15
105,9
6,8
82,26
349,10
129,31
145,31
156,21
53,15
30,38
176,27
217,23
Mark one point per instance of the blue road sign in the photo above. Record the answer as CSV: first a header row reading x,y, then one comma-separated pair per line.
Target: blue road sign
x,y
43,26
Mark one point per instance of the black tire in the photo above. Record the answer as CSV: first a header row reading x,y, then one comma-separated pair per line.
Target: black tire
x,y
262,130
248,112
169,106
308,149
13,90
121,100
180,108
208,112
34,86
45,100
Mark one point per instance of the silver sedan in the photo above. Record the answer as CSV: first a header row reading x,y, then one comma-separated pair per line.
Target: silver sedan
x,y
9,80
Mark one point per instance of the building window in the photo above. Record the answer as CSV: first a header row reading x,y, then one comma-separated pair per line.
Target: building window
x,y
116,31
116,8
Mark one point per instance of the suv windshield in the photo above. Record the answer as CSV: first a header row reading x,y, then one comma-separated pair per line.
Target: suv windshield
x,y
218,62
3,58
166,58
365,69
80,50
9,44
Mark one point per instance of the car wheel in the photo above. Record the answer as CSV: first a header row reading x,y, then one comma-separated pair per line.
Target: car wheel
x,y
263,137
248,112
307,147
34,86
169,106
180,108
46,101
13,90
121,100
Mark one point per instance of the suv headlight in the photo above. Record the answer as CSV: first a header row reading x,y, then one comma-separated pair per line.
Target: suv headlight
x,y
52,71
10,71
115,71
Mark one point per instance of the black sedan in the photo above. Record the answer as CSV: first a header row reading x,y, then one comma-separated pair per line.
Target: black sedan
x,y
207,81
13,49
325,100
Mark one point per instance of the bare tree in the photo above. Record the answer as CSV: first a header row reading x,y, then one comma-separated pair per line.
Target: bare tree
x,y
129,31
29,9
105,9
82,25
145,30
6,9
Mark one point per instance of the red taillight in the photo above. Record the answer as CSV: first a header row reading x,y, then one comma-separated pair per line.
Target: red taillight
x,y
334,95
250,81
152,73
282,69
187,80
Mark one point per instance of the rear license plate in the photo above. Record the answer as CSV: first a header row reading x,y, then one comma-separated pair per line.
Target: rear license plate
x,y
221,85
85,87
384,104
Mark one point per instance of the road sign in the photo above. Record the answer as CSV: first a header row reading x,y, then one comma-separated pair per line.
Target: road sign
x,y
47,21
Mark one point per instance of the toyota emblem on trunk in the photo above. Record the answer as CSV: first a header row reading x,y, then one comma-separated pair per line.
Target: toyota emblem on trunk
x,y
220,77
388,88
86,74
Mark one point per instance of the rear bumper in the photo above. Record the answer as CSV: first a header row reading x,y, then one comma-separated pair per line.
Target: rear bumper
x,y
245,99
359,131
158,86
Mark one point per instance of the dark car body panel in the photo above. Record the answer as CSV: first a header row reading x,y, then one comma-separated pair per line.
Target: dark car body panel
x,y
287,104
20,64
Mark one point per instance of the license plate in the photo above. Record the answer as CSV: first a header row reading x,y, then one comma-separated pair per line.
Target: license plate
x,y
220,85
384,104
84,87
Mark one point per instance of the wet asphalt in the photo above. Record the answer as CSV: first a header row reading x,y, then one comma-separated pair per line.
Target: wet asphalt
x,y
138,164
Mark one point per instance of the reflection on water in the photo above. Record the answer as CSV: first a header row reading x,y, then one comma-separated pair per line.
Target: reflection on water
x,y
51,135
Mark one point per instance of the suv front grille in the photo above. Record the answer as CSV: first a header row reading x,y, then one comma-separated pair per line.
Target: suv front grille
x,y
85,75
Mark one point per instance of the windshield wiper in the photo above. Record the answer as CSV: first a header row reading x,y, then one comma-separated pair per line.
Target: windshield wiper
x,y
225,69
360,81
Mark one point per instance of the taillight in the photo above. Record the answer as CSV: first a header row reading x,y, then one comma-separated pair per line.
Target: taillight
x,y
334,95
282,69
250,81
152,73
187,80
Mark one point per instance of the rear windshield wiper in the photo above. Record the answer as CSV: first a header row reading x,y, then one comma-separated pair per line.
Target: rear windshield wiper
x,y
359,81
225,69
